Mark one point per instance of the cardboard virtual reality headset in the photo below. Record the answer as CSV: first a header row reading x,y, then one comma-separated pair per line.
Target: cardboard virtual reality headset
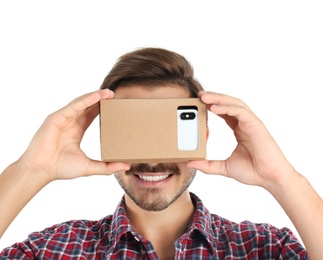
x,y
152,130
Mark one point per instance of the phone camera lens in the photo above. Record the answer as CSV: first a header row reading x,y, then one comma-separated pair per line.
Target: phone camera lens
x,y
187,116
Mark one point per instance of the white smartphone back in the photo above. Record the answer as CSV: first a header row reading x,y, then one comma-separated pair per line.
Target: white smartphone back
x,y
187,128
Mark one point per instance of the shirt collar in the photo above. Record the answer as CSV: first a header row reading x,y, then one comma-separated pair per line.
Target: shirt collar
x,y
202,223
120,222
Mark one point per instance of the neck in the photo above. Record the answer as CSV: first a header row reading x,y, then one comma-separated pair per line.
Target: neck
x,y
166,225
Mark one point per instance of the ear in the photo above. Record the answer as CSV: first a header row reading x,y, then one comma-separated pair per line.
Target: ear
x,y
207,133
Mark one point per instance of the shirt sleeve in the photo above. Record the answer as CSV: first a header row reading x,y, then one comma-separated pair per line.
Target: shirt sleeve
x,y
61,241
279,243
21,250
288,246
29,248
264,241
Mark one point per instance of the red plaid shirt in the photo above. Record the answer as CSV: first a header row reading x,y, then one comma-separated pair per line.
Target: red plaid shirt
x,y
208,237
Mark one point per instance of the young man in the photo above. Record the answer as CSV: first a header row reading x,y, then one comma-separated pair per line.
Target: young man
x,y
158,218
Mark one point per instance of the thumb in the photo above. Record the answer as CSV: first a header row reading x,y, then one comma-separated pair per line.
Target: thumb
x,y
104,168
216,167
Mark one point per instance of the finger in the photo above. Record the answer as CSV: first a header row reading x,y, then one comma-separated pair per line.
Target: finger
x,y
235,116
216,167
89,115
220,99
103,168
80,104
84,109
240,113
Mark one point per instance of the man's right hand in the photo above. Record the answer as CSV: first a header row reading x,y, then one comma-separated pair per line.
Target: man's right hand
x,y
54,153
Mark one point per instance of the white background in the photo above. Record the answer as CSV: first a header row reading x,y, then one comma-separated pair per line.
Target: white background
x,y
268,53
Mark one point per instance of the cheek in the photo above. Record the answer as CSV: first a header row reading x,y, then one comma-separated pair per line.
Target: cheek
x,y
183,168
120,176
117,174
186,174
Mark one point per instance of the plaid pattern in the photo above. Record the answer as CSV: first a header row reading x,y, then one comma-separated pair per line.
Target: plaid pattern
x,y
209,237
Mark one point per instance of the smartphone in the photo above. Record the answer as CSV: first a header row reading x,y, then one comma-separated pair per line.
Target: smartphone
x,y
187,128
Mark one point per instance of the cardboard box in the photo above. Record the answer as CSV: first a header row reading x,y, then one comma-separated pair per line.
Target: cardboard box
x,y
147,130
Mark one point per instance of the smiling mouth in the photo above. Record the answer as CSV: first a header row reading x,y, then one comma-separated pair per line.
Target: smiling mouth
x,y
153,178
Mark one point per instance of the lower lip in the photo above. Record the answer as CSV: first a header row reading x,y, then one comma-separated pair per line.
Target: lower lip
x,y
146,184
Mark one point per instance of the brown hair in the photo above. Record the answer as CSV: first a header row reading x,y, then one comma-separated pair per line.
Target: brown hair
x,y
152,67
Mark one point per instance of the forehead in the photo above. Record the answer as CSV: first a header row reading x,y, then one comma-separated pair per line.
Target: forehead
x,y
168,91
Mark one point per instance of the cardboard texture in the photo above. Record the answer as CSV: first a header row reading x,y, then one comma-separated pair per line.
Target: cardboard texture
x,y
146,131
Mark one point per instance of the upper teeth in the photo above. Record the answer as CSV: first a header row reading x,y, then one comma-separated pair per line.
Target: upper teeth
x,y
153,178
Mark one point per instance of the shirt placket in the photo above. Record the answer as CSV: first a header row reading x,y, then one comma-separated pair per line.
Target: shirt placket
x,y
178,250
146,248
